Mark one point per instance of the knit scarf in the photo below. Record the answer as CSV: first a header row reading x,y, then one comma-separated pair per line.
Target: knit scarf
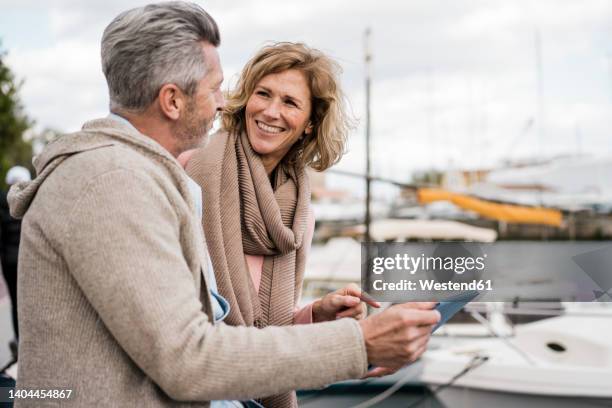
x,y
246,213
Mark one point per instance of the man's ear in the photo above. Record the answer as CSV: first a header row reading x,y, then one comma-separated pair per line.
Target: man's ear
x,y
171,101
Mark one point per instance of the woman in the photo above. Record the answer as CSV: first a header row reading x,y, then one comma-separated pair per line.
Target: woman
x,y
286,114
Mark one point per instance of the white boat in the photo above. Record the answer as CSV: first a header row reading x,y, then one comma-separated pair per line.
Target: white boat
x,y
563,361
400,230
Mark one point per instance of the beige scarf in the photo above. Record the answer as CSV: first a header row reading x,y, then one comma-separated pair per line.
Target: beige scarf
x,y
244,214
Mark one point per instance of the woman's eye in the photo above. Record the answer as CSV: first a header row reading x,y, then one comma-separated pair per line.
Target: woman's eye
x,y
291,103
262,93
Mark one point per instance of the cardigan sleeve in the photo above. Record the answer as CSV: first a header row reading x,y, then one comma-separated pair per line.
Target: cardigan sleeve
x,y
122,245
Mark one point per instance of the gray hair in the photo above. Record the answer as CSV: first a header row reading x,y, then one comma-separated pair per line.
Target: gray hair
x,y
147,47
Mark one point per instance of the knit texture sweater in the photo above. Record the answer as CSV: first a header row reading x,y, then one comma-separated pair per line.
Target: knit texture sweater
x,y
113,303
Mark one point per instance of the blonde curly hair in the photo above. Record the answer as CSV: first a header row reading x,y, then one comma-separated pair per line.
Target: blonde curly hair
x,y
326,144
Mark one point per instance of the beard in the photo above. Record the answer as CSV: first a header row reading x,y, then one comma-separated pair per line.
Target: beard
x,y
192,130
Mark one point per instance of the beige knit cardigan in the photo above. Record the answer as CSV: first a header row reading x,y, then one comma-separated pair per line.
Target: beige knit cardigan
x,y
111,300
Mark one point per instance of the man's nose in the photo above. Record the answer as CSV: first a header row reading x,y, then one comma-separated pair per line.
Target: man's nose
x,y
220,99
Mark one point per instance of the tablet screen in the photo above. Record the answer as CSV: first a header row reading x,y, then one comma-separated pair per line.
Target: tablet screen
x,y
453,305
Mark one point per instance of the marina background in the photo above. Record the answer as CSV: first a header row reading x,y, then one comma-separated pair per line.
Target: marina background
x,y
490,121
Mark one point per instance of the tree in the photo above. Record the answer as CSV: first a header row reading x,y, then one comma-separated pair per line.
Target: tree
x,y
14,150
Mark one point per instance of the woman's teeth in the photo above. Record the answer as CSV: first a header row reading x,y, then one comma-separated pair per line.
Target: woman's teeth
x,y
269,128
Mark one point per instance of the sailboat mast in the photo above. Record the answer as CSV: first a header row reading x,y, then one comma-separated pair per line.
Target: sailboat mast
x,y
368,59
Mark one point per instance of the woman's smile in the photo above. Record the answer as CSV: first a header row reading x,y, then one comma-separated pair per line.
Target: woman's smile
x,y
269,128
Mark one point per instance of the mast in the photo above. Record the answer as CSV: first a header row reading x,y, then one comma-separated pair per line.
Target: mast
x,y
541,113
368,59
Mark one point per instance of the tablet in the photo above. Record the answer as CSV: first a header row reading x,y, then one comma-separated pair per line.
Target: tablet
x,y
453,305
449,308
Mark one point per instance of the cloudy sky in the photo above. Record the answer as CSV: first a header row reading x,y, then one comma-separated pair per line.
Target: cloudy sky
x,y
455,83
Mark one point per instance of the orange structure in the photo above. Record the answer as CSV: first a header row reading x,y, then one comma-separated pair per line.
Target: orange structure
x,y
510,213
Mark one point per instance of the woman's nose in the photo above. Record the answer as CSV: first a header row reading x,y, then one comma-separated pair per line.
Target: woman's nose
x,y
272,109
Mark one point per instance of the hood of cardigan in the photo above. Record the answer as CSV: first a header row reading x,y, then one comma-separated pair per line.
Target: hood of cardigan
x,y
95,134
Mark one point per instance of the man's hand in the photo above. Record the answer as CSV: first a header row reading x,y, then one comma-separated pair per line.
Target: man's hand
x,y
398,336
349,301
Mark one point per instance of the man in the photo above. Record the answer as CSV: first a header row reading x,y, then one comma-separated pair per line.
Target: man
x,y
113,277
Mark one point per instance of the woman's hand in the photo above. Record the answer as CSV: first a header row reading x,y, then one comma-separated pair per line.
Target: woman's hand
x,y
346,302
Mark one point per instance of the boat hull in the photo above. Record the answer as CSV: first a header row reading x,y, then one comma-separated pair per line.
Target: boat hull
x,y
465,397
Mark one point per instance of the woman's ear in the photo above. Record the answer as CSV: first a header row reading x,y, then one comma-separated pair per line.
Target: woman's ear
x,y
308,129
